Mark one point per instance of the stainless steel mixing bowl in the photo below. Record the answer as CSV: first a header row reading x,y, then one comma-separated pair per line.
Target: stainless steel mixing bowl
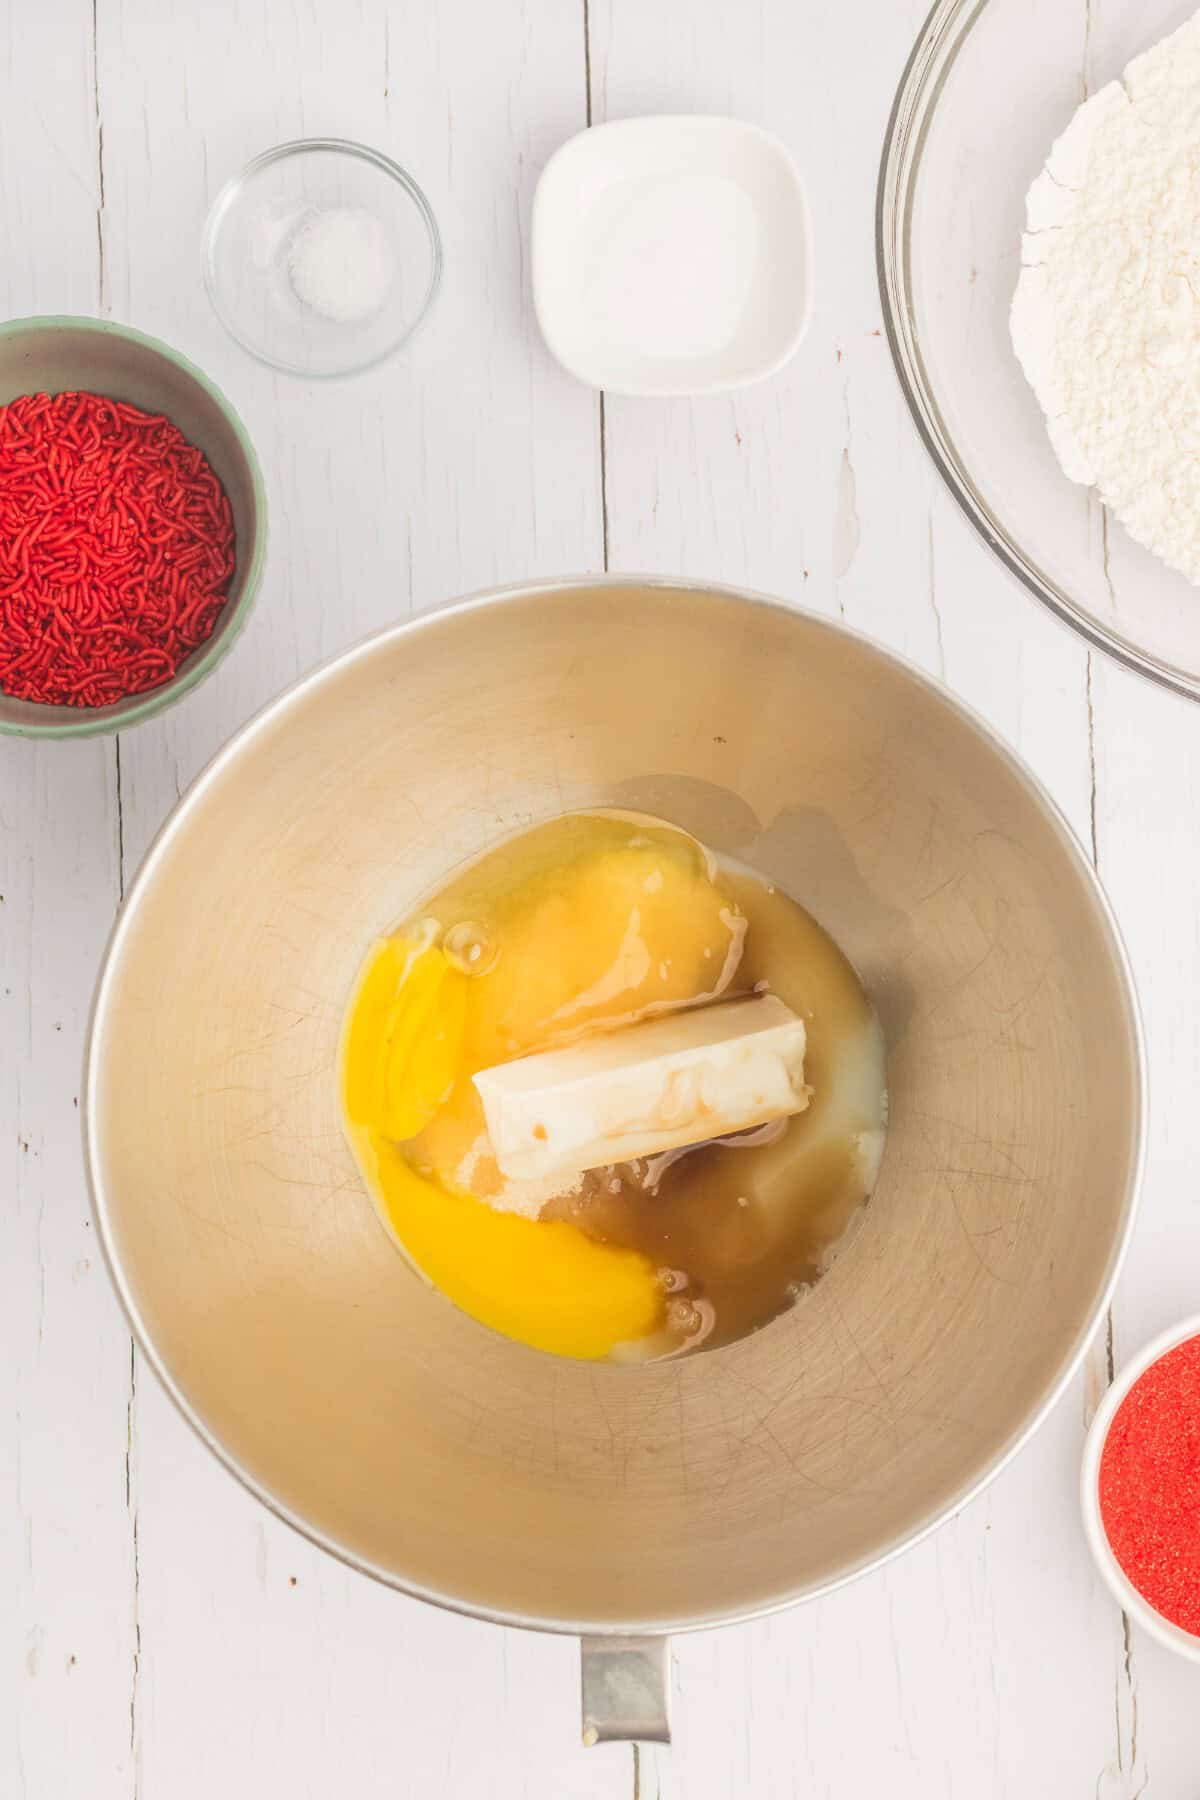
x,y
462,1467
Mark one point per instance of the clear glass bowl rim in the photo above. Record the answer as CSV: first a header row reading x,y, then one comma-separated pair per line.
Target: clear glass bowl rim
x,y
929,65
304,147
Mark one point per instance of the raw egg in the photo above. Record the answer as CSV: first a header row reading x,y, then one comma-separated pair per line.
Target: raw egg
x,y
587,923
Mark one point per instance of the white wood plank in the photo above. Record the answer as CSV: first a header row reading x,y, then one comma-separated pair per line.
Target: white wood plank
x,y
1148,806
929,1677
66,1547
468,461
67,1641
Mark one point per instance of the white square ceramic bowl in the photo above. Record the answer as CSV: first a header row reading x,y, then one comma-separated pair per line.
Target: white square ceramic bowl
x,y
671,255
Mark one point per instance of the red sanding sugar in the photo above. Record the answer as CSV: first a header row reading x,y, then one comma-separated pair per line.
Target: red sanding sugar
x,y
116,549
1150,1485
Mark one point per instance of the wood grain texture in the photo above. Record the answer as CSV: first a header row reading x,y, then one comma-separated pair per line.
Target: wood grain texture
x,y
929,1677
161,1636
67,1633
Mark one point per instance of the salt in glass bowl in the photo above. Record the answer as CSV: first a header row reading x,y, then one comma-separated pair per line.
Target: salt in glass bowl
x,y
250,238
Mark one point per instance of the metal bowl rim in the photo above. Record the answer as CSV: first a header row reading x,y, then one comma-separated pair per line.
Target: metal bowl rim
x,y
488,600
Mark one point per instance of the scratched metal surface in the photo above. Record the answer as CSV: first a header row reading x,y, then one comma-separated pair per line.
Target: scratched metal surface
x,y
160,1635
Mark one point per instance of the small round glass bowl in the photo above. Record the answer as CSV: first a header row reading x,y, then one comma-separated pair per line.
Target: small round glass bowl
x,y
1119,1584
59,355
989,86
250,257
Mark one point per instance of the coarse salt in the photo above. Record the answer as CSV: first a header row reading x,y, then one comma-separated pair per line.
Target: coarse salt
x,y
341,264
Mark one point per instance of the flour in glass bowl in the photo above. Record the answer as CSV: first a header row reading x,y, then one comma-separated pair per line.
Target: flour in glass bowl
x,y
1106,315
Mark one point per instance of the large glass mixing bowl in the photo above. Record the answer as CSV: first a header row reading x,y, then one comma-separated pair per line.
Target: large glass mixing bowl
x,y
989,85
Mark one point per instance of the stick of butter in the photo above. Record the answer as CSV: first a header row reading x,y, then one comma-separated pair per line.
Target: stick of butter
x,y
650,1087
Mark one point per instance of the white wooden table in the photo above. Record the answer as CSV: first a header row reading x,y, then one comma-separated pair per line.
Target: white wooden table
x,y
162,1637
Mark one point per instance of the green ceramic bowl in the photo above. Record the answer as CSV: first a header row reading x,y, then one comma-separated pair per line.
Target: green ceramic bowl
x,y
53,355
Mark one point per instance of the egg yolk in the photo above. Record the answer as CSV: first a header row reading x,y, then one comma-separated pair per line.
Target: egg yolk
x,y
594,934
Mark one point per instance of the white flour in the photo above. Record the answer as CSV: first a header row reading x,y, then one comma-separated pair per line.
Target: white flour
x,y
1106,316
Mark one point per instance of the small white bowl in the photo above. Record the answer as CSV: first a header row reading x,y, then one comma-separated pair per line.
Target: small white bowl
x,y
1122,1589
671,255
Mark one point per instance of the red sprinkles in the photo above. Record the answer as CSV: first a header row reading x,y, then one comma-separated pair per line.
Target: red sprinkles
x,y
1150,1485
116,549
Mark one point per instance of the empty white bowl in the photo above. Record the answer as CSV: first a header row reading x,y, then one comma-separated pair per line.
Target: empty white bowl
x,y
671,255
1122,1589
